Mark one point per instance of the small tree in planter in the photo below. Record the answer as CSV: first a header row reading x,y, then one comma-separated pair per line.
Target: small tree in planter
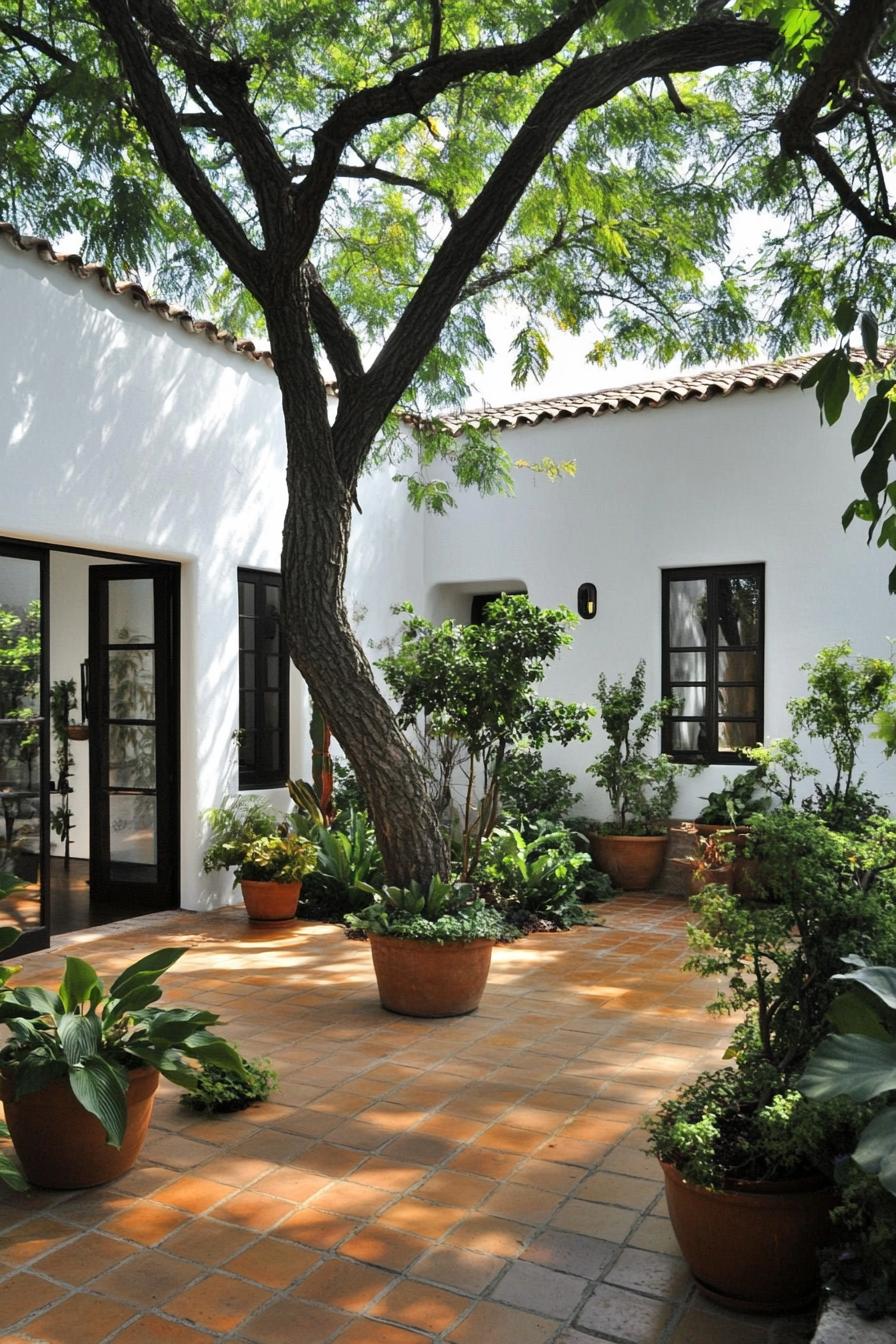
x,y
63,701
641,787
476,686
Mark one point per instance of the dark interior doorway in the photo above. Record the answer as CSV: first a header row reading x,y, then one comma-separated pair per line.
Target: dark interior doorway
x,y
89,767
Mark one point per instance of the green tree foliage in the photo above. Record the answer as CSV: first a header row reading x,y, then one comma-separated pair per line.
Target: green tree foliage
x,y
477,686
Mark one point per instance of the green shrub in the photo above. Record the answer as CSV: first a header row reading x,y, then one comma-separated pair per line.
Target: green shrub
x,y
217,1092
536,883
530,793
443,912
349,863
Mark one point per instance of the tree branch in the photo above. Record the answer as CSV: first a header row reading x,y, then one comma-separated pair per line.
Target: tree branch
x,y
372,171
411,90
337,337
587,83
848,47
435,34
873,225
160,122
224,83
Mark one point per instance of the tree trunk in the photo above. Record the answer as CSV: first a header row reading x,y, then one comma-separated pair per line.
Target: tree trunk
x,y
321,642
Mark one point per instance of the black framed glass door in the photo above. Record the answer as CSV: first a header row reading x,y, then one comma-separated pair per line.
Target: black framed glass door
x,y
24,741
134,767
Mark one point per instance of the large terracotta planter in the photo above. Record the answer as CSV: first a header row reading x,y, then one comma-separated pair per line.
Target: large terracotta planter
x,y
753,1247
634,862
271,902
61,1146
423,979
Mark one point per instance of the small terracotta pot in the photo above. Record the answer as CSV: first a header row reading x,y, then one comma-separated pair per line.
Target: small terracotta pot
x,y
753,1247
423,979
634,862
271,902
77,732
63,1147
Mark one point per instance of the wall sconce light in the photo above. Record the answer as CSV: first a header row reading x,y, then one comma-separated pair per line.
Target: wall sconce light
x,y
587,601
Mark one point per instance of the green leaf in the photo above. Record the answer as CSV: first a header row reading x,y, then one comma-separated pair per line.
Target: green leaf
x,y
845,315
77,983
876,472
870,334
146,970
813,375
37,1070
850,1066
877,1142
101,1089
871,422
11,1174
878,980
79,1036
141,996
38,1002
170,1063
849,513
202,1045
8,936
852,1013
174,1026
834,388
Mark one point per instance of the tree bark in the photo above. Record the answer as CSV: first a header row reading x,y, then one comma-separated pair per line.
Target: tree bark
x,y
321,642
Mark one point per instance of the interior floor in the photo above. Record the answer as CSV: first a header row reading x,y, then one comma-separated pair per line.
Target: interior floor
x,y
71,908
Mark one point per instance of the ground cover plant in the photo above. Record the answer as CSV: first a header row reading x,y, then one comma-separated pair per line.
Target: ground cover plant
x,y
221,1091
365,180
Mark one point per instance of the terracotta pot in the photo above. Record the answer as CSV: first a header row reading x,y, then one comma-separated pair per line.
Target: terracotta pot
x,y
61,1146
423,979
753,1247
77,732
271,902
634,862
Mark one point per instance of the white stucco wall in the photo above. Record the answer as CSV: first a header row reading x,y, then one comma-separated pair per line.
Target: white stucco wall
x,y
752,477
121,432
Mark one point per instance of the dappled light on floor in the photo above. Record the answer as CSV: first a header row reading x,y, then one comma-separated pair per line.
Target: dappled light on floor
x,y
474,1180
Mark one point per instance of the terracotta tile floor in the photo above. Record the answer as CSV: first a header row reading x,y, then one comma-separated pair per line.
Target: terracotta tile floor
x,y
477,1180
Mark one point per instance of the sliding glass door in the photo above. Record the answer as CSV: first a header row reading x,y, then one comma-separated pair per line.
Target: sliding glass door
x,y
24,742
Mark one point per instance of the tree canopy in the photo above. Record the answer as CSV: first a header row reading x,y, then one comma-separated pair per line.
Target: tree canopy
x,y
384,124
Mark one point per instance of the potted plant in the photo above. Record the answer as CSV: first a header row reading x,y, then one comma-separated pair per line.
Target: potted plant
x,y
268,860
641,788
713,860
747,1160
431,946
79,1072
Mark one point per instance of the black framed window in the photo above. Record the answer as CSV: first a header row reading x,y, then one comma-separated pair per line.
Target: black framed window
x,y
713,660
264,682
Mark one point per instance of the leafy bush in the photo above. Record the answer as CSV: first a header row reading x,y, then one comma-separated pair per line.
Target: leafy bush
x,y
443,912
845,810
349,863
218,1091
736,1124
641,788
248,837
530,793
861,1264
737,800
535,883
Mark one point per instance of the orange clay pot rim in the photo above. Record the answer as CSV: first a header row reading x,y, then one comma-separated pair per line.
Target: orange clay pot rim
x,y
433,942
639,839
270,881
735,1189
